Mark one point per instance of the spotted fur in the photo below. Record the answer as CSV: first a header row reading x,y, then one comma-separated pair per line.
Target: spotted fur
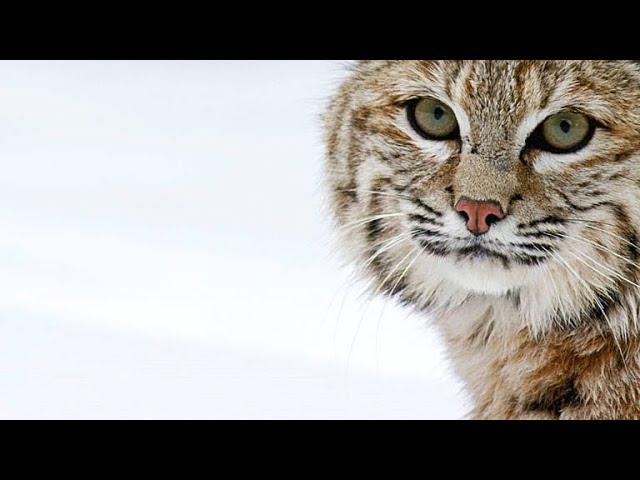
x,y
541,313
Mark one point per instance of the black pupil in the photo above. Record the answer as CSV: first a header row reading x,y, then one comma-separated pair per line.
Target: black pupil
x,y
438,112
565,126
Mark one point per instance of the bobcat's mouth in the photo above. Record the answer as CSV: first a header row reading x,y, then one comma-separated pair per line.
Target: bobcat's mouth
x,y
480,249
530,244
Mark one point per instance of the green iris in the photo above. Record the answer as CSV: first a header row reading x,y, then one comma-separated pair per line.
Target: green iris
x,y
434,119
566,130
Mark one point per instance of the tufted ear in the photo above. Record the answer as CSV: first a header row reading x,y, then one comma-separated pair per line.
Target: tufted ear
x,y
364,65
360,64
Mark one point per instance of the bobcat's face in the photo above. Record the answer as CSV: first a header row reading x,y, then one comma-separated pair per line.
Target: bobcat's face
x,y
490,177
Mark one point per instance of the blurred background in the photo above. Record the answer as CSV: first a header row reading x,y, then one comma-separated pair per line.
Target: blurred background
x,y
165,253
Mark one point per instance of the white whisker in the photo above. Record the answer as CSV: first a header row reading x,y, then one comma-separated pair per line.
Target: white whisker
x,y
350,226
390,244
587,224
600,307
376,192
601,248
616,274
556,290
393,291
380,285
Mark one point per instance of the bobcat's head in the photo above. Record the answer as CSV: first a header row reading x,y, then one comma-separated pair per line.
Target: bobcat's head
x,y
515,179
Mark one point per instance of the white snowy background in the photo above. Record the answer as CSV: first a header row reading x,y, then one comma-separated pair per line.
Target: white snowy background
x,y
164,253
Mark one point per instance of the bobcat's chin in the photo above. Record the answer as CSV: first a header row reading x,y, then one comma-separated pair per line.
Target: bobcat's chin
x,y
484,277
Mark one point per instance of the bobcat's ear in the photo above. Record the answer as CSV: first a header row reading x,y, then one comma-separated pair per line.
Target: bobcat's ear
x,y
359,64
368,64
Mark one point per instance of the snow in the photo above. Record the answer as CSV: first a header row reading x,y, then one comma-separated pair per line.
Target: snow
x,y
164,253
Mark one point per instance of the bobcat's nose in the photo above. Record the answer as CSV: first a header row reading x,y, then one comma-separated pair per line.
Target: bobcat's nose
x,y
479,215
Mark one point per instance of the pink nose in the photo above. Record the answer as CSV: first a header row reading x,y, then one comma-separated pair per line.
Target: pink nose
x,y
479,215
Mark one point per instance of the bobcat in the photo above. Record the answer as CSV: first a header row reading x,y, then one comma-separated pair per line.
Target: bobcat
x,y
501,198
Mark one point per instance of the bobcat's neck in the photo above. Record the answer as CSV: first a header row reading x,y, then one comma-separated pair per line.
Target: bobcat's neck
x,y
564,372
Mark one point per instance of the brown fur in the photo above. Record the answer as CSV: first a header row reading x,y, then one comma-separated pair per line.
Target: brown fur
x,y
541,314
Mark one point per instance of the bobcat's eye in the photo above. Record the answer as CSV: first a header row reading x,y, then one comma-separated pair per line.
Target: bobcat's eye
x,y
432,119
565,132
